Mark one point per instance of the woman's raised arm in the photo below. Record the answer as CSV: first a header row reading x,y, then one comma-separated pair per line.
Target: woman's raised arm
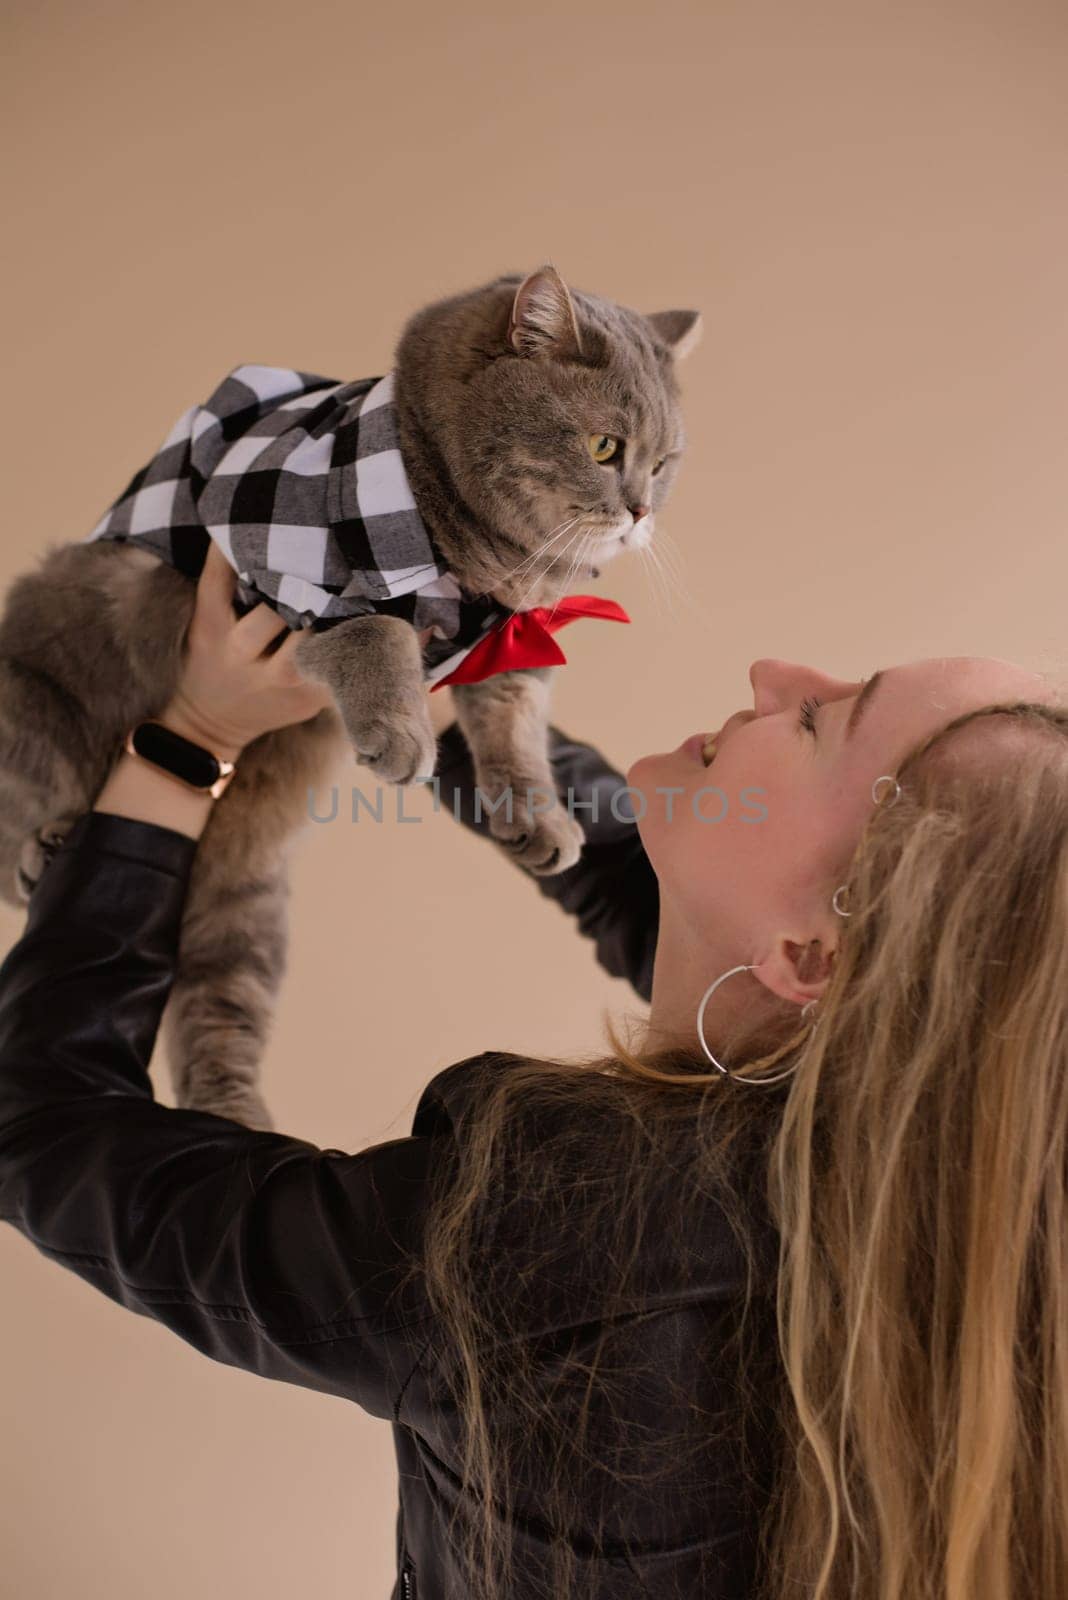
x,y
611,891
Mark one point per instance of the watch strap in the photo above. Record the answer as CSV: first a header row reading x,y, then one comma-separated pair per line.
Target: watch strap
x,y
180,758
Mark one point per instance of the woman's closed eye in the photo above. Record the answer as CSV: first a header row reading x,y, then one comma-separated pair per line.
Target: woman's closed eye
x,y
807,718
809,706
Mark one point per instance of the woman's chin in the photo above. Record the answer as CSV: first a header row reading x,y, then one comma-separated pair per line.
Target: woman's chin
x,y
645,772
634,771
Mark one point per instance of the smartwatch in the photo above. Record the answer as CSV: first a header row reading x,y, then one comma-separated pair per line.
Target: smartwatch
x,y
190,763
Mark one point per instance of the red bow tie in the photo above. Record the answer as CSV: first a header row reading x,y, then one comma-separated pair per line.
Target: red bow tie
x,y
525,639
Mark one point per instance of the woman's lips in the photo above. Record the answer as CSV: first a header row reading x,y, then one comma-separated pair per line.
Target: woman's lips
x,y
694,746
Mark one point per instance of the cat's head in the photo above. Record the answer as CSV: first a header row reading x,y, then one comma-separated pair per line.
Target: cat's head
x,y
540,428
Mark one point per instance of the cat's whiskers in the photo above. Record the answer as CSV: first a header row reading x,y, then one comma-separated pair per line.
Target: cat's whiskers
x,y
650,571
664,581
550,539
660,559
657,580
581,540
586,537
534,556
670,559
559,557
665,576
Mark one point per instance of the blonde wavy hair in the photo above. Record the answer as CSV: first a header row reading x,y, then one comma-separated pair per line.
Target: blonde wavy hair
x,y
914,1168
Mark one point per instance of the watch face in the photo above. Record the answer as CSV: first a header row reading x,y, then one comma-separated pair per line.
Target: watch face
x,y
180,756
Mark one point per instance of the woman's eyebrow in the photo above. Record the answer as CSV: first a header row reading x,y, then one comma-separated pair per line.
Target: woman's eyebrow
x,y
861,703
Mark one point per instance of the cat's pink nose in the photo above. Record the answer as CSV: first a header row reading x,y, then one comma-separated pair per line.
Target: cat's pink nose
x,y
638,512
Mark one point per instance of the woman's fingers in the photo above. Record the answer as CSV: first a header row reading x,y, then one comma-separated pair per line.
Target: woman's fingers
x,y
314,694
215,594
255,631
215,589
285,658
258,627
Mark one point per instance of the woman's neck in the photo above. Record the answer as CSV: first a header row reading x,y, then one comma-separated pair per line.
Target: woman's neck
x,y
683,969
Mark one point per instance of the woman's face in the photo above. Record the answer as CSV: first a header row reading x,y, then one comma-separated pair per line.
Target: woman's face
x,y
754,844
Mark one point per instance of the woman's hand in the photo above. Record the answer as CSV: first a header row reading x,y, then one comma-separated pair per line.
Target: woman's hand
x,y
230,691
228,694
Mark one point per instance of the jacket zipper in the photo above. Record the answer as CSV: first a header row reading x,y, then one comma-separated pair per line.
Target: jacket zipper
x,y
407,1583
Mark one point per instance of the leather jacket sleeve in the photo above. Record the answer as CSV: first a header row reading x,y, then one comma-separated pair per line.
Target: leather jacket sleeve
x,y
611,891
262,1251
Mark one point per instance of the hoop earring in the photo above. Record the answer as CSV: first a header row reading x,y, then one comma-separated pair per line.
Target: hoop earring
x,y
885,777
834,901
704,1043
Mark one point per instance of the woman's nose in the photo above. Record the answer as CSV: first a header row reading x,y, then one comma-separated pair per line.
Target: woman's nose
x,y
761,668
769,669
774,681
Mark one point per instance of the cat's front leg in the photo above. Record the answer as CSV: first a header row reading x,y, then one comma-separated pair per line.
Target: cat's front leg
x,y
374,669
505,720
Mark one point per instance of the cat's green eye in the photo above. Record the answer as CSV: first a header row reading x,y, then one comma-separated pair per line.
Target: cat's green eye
x,y
604,447
658,464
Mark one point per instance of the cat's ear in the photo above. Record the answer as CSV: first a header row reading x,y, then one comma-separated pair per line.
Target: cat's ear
x,y
543,320
680,330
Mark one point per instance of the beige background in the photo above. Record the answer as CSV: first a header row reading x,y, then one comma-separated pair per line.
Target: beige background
x,y
868,203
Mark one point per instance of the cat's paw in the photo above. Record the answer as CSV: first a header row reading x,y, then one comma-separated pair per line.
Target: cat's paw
x,y
36,853
541,837
398,746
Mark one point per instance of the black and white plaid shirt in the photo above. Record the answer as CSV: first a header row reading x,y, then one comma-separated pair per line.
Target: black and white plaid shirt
x,y
299,480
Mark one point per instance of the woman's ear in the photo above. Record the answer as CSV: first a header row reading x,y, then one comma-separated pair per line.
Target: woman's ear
x,y
680,330
797,970
543,320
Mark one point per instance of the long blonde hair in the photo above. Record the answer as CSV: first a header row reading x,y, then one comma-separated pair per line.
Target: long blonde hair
x,y
913,1170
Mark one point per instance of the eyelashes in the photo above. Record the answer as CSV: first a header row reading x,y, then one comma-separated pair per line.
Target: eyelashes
x,y
807,718
809,706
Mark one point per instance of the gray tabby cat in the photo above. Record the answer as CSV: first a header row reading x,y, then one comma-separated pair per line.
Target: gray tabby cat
x,y
501,398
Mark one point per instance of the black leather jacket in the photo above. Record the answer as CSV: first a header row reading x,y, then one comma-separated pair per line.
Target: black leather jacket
x,y
270,1254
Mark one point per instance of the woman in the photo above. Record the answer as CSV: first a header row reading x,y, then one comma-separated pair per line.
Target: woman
x,y
566,1288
